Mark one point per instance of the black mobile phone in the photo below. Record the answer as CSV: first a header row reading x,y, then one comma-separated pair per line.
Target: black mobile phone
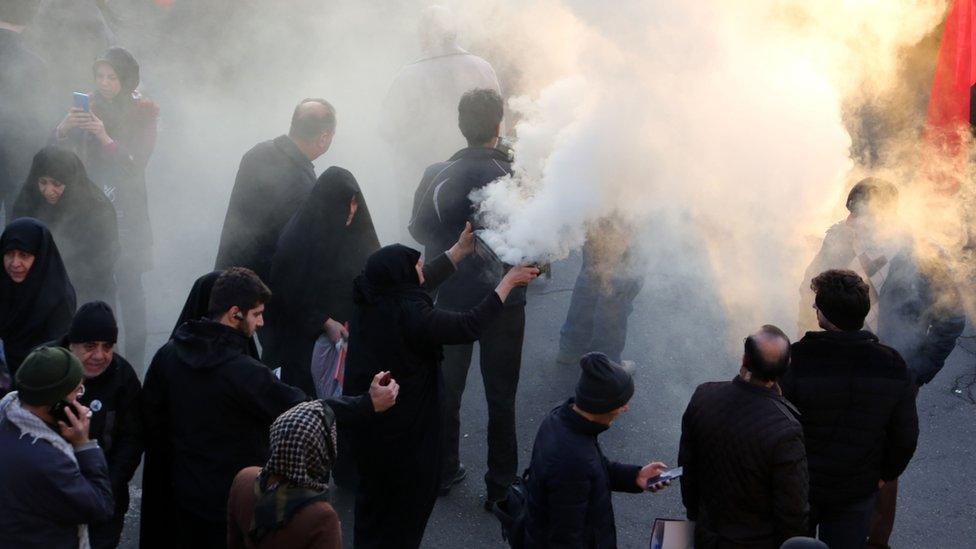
x,y
670,474
58,413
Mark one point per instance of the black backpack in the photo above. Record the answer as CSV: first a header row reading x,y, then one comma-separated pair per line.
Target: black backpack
x,y
512,512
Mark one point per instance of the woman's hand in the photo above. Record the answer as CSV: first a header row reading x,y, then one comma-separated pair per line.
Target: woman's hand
x,y
517,276
464,245
95,126
74,119
334,330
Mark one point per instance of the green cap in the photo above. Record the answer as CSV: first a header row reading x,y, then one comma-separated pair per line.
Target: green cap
x,y
47,376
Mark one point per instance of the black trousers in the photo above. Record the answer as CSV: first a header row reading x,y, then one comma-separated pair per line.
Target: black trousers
x,y
501,361
843,526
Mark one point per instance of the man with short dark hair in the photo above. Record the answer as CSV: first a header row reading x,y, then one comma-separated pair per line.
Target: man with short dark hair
x,y
25,111
207,407
570,481
441,210
857,400
420,108
53,477
112,393
273,179
745,467
915,307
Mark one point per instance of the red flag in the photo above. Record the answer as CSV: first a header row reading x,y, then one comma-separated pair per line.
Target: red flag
x,y
947,121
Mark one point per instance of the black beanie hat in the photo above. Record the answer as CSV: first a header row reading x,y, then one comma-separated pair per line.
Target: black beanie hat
x,y
94,321
603,385
47,375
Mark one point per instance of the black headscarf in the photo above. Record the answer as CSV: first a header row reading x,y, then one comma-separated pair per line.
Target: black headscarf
x,y
390,272
26,307
197,306
318,256
115,112
83,221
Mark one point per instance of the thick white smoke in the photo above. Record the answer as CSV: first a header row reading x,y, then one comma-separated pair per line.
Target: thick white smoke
x,y
728,112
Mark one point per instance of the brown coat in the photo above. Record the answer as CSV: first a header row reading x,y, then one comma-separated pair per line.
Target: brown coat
x,y
315,526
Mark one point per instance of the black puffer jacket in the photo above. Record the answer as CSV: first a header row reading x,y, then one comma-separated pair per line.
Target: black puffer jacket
x,y
745,469
857,399
570,484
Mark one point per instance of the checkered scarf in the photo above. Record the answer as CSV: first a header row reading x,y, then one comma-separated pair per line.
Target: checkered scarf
x,y
303,446
303,449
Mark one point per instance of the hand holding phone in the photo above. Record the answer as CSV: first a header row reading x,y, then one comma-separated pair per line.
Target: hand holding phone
x,y
666,476
82,101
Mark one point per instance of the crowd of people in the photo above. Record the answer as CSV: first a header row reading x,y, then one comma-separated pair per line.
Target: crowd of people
x,y
807,441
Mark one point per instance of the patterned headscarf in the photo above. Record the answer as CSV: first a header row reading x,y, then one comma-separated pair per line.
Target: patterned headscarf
x,y
303,449
303,446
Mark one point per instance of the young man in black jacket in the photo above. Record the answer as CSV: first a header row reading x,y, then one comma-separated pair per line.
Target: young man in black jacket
x,y
207,408
857,400
441,209
745,467
570,480
112,393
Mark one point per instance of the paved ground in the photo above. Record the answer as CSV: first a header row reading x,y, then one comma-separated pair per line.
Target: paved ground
x,y
936,505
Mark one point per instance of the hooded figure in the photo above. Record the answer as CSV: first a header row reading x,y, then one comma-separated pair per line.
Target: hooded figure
x,y
39,308
80,218
397,328
286,503
198,303
320,252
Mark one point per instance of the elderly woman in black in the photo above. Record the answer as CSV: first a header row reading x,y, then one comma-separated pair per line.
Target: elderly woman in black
x,y
59,193
118,139
319,253
397,328
37,300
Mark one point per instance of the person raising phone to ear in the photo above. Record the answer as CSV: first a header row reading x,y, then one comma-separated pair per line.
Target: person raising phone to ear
x,y
54,480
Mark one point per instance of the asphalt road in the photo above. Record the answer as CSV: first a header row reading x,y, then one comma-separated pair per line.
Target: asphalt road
x,y
936,507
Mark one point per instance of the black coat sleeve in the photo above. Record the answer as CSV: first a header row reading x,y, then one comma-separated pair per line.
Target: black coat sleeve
x,y
266,395
686,459
76,494
790,485
351,409
453,328
901,434
437,271
238,238
128,443
623,478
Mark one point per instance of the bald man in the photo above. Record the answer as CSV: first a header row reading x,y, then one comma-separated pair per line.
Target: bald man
x,y
273,179
745,466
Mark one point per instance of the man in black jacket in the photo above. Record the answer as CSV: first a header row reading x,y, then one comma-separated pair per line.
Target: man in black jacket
x,y
745,468
857,400
570,480
207,408
273,179
441,210
112,393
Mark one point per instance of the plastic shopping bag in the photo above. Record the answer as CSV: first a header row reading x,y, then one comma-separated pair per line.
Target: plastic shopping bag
x,y
328,366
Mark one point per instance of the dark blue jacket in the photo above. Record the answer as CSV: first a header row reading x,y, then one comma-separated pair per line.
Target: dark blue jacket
x,y
44,495
570,484
441,206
